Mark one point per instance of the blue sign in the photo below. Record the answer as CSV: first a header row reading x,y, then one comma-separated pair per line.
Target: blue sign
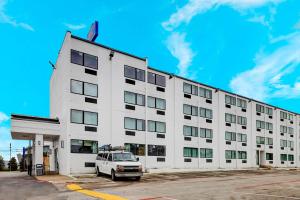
x,y
93,33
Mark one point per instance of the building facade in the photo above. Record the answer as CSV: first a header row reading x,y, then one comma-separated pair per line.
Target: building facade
x,y
100,95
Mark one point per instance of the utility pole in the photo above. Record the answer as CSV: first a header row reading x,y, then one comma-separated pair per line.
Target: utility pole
x,y
10,157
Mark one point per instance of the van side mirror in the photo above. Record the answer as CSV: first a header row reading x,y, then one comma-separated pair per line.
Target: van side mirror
x,y
137,159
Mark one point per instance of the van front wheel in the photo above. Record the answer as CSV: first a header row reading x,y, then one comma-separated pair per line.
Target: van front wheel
x,y
98,172
113,175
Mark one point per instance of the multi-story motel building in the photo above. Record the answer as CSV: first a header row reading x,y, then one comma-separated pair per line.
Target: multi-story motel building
x,y
100,95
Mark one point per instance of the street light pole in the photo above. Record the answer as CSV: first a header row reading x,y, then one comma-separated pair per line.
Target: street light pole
x,y
10,157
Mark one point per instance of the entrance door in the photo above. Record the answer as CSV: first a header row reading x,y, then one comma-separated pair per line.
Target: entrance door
x,y
56,160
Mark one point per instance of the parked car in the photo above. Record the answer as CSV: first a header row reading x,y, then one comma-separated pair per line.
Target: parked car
x,y
118,163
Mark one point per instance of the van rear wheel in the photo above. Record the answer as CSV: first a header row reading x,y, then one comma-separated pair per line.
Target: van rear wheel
x,y
113,175
138,178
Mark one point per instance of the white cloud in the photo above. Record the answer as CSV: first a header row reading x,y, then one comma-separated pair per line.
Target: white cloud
x,y
75,26
259,19
264,81
195,7
3,117
6,19
180,49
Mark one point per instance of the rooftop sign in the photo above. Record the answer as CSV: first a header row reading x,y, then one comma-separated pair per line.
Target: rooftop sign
x,y
93,33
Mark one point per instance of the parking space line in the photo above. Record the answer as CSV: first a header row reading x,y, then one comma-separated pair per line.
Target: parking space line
x,y
269,195
99,195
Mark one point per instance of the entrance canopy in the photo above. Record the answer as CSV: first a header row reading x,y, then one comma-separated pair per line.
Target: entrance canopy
x,y
27,127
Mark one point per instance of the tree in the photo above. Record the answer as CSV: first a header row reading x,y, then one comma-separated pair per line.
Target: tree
x,y
2,164
22,164
12,164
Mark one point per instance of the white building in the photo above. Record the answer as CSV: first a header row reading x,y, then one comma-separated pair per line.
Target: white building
x,y
100,95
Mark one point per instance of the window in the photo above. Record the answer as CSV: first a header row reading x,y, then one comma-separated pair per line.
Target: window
x,y
84,146
269,111
155,126
206,153
134,124
190,89
190,110
241,137
157,103
230,100
230,118
260,124
290,130
242,155
241,103
269,126
283,115
134,98
88,89
84,59
136,149
190,131
206,93
229,154
291,157
242,120
283,157
90,118
206,133
84,117
90,61
283,143
206,113
76,87
260,140
283,129
269,141
156,79
260,108
134,73
230,136
269,156
290,144
190,152
76,57
290,117
156,150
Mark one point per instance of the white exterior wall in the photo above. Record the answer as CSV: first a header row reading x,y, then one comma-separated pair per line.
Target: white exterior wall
x,y
111,112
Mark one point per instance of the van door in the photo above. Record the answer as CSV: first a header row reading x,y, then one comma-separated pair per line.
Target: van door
x,y
102,163
108,164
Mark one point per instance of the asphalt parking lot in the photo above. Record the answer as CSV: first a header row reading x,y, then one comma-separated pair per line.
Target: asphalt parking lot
x,y
244,184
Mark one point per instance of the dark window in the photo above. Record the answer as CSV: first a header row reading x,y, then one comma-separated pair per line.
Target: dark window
x,y
89,164
190,152
136,149
156,79
156,150
84,59
84,146
76,57
90,61
134,73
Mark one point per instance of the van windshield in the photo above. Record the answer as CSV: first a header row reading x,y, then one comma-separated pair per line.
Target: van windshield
x,y
124,157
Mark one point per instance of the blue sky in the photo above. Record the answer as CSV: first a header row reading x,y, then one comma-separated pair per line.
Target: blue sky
x,y
251,47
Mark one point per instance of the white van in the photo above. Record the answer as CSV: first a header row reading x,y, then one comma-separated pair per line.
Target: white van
x,y
118,164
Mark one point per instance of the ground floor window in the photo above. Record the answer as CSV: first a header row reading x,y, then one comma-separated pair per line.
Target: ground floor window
x,y
156,150
84,146
136,149
269,156
206,153
291,157
283,157
190,152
